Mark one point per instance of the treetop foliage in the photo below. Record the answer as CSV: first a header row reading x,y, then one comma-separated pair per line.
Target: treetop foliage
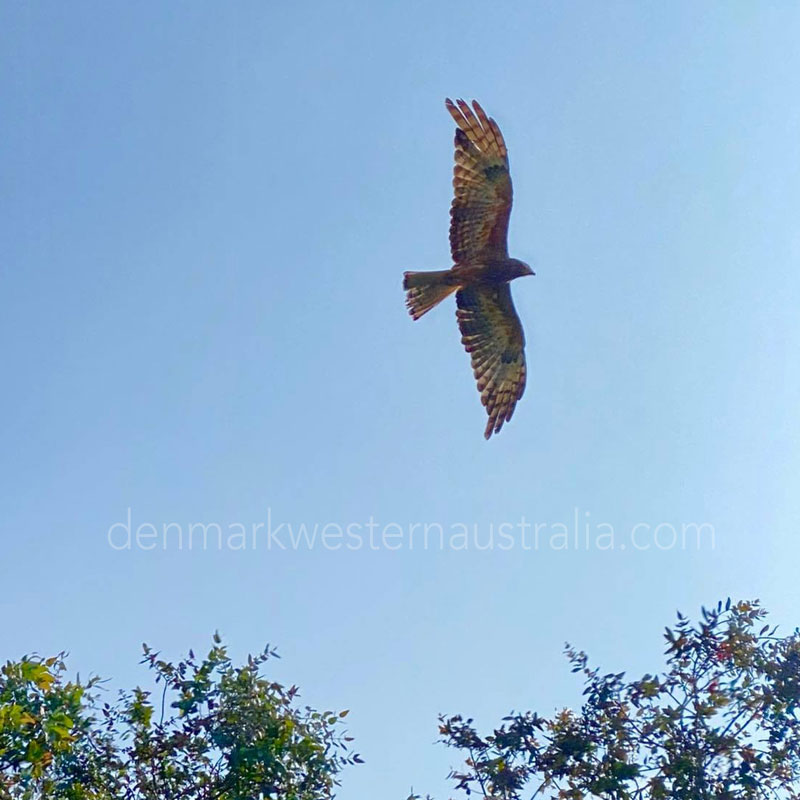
x,y
213,731
721,721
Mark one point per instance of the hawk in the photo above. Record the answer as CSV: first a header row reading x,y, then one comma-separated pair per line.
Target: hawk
x,y
490,328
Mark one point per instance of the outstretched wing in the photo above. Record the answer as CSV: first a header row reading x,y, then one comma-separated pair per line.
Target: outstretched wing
x,y
492,334
482,203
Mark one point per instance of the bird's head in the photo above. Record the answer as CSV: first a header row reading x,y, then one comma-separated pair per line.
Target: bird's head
x,y
521,269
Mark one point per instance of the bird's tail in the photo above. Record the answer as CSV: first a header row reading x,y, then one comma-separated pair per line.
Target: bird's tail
x,y
424,290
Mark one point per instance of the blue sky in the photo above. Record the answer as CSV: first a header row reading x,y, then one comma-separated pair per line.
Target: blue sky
x,y
207,211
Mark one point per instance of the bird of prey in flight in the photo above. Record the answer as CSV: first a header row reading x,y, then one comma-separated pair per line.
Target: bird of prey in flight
x,y
490,328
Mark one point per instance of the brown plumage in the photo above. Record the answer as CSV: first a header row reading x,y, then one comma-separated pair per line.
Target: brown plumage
x,y
490,328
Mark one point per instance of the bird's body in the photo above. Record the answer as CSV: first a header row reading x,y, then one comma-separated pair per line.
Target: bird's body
x,y
490,328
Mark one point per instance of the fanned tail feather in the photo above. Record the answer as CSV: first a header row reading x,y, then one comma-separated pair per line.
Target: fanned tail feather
x,y
424,290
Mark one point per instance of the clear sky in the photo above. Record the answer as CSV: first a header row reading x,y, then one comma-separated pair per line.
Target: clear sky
x,y
207,209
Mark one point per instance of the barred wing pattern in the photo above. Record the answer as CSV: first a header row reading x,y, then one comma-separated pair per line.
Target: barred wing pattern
x,y
482,202
492,334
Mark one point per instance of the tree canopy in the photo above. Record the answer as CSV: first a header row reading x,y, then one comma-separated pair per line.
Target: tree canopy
x,y
718,722
721,721
210,731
